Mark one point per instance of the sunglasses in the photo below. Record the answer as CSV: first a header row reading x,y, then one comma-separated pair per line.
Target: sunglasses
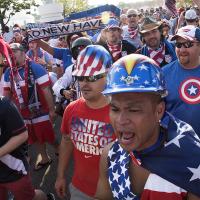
x,y
90,78
186,45
133,15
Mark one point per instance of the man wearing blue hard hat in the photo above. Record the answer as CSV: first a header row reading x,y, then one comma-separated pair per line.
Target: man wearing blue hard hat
x,y
155,156
114,43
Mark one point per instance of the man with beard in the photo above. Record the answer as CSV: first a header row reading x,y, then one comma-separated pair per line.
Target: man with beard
x,y
85,126
183,77
131,31
156,47
114,43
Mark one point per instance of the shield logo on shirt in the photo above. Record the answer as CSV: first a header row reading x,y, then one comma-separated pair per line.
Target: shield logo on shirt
x,y
190,90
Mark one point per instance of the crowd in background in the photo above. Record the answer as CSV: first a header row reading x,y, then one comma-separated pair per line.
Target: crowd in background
x,y
47,76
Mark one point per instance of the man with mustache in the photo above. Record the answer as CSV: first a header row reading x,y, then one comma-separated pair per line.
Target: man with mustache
x,y
85,126
155,46
183,77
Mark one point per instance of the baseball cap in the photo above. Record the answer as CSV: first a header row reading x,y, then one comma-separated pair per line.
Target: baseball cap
x,y
17,46
190,32
16,30
112,23
190,14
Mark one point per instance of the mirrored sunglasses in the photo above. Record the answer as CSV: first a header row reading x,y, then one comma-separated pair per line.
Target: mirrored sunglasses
x,y
90,78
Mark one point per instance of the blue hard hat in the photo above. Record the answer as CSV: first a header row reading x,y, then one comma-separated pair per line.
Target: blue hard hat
x,y
135,73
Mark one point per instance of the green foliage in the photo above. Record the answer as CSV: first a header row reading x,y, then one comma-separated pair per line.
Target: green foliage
x,y
9,8
74,6
184,3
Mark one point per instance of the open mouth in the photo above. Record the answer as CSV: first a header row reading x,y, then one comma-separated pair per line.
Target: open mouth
x,y
127,138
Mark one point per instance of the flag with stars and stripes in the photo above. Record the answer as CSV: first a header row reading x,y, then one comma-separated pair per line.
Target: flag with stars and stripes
x,y
176,161
179,160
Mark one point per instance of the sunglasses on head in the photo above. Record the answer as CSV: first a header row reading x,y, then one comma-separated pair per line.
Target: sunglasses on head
x,y
132,15
186,45
90,78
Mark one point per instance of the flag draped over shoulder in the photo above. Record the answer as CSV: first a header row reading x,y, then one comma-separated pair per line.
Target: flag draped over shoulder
x,y
171,6
179,160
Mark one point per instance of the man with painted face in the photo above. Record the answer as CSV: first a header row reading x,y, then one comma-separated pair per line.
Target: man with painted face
x,y
155,46
183,77
155,156
85,126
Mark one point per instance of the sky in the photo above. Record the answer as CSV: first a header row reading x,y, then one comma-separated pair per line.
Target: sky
x,y
22,18
114,2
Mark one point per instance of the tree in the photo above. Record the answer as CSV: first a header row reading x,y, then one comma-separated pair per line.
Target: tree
x,y
73,6
8,8
184,3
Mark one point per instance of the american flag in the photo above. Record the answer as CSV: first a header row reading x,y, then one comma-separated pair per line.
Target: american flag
x,y
178,161
171,6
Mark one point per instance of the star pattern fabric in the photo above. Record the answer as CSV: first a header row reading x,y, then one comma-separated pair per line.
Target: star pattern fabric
x,y
176,161
118,162
141,76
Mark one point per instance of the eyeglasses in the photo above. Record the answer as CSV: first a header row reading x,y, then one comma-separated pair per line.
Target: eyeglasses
x,y
133,15
90,78
186,45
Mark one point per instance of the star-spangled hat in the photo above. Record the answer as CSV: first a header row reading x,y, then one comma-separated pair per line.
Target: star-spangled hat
x,y
135,73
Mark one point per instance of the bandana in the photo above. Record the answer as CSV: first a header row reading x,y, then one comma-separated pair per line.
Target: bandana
x,y
115,50
157,55
133,32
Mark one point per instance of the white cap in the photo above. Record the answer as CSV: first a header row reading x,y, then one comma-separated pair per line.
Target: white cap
x,y
190,14
189,32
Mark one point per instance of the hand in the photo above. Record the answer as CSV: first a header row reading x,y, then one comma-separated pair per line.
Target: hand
x,y
60,187
68,94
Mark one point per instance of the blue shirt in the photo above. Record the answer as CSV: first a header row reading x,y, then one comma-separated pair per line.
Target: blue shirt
x,y
183,100
64,55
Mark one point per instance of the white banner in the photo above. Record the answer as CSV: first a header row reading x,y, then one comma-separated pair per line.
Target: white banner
x,y
64,29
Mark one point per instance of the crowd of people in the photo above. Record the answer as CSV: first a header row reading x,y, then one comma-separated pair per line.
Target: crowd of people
x,y
129,98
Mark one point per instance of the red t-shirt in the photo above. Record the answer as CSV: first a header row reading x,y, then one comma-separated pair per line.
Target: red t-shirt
x,y
90,130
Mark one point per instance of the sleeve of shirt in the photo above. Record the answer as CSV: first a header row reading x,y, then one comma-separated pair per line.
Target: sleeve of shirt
x,y
60,53
48,58
40,74
65,121
13,121
63,82
6,80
